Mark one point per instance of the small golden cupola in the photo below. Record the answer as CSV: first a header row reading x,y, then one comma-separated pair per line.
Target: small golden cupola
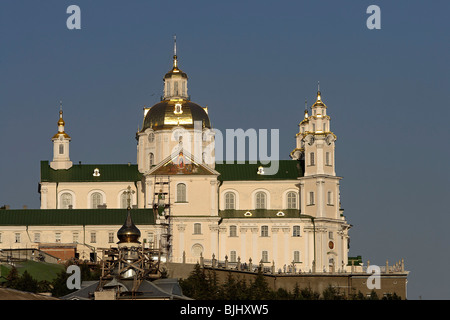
x,y
61,125
61,141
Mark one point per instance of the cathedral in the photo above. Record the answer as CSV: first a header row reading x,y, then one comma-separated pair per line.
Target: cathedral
x,y
186,202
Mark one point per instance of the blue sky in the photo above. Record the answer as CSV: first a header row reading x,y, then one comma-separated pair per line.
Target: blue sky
x,y
253,63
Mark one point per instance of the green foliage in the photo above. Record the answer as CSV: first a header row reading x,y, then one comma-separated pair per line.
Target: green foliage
x,y
204,285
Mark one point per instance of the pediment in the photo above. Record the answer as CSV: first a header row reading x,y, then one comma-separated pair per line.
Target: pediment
x,y
181,162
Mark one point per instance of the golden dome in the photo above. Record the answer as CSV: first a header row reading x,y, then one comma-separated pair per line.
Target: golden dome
x,y
175,70
319,102
61,123
176,112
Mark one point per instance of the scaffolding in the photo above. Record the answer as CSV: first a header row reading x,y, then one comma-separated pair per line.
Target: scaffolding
x,y
135,263
161,209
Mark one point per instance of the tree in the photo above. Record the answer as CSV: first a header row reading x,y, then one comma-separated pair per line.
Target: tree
x,y
12,278
26,283
259,288
331,293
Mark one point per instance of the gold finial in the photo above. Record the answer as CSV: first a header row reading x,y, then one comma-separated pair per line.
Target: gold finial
x,y
175,61
306,109
60,121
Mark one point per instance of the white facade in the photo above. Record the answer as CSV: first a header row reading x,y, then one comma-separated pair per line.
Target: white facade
x,y
274,220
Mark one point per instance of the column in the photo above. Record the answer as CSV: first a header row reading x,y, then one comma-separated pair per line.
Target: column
x,y
255,257
243,252
181,228
44,192
302,198
274,255
148,192
287,258
222,242
305,255
213,197
214,229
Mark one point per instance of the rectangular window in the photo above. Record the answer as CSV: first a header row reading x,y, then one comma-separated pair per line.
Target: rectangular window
x,y
296,256
93,237
311,159
37,237
324,127
111,237
61,149
264,231
311,198
233,231
330,198
75,237
296,231
0,238
17,238
197,228
265,256
233,256
330,235
314,126
57,237
327,158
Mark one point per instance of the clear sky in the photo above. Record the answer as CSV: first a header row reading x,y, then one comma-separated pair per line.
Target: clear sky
x,y
253,63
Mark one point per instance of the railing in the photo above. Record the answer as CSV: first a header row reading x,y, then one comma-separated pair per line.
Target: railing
x,y
292,268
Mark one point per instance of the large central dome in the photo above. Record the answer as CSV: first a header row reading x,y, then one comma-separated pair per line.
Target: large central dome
x,y
171,113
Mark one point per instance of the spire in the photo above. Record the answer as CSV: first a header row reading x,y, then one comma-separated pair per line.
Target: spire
x,y
319,101
306,109
60,121
175,61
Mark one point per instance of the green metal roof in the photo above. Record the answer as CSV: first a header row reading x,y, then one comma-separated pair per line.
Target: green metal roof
x,y
261,213
69,217
85,173
287,170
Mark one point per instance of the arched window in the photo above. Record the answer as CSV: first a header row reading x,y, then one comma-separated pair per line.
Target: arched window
x,y
66,200
230,201
124,200
261,202
96,200
291,200
197,250
151,160
197,228
233,231
181,192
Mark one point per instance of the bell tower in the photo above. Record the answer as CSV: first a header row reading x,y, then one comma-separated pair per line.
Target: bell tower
x,y
61,140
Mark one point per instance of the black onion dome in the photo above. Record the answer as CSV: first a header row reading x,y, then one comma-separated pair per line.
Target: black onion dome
x,y
128,233
162,115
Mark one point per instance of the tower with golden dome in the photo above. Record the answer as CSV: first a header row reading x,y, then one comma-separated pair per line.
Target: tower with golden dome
x,y
175,123
61,141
